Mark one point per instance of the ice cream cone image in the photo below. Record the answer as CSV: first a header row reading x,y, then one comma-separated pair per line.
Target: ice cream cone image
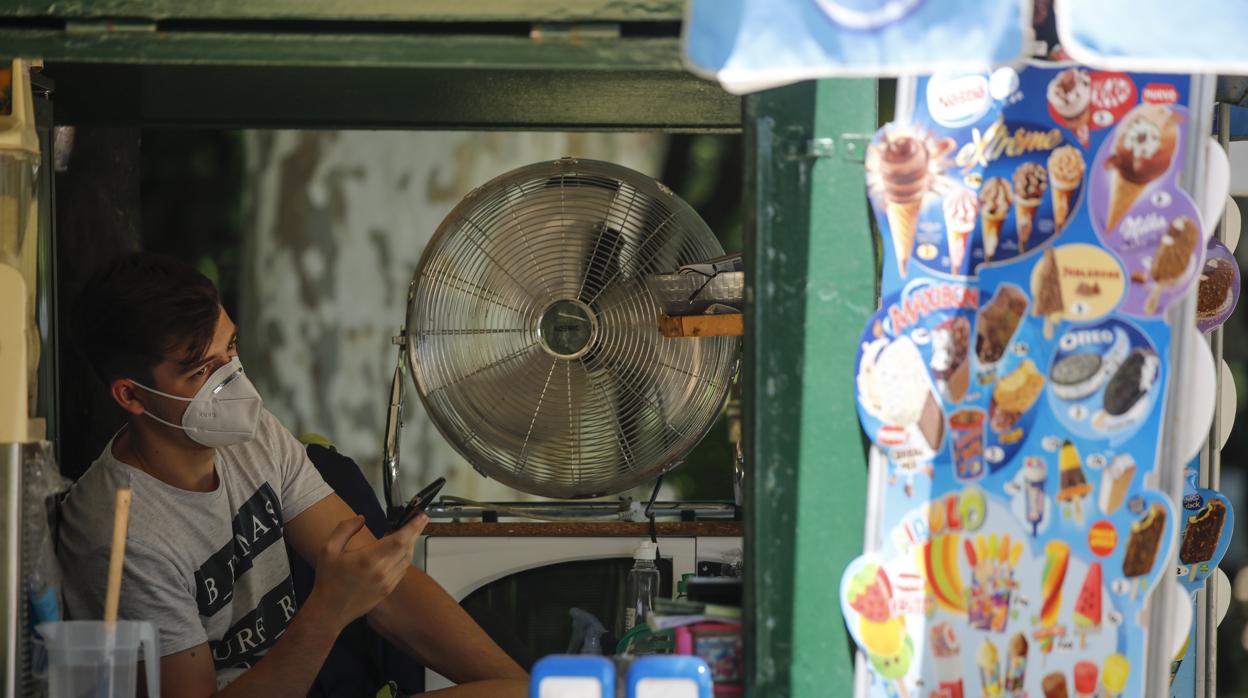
x,y
1078,125
903,221
961,207
1144,147
1070,97
994,205
1030,183
1066,168
1123,194
901,169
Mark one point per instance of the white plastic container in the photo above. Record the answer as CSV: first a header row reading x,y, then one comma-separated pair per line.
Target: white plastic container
x,y
87,659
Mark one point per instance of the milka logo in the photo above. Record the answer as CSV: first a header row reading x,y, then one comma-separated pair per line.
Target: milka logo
x,y
924,301
998,142
1137,230
958,101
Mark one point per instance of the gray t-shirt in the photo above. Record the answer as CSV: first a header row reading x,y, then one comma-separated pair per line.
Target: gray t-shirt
x,y
202,566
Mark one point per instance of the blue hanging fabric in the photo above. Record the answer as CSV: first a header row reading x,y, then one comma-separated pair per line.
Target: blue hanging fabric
x,y
753,44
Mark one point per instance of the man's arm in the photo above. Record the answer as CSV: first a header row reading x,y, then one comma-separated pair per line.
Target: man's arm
x,y
356,579
418,616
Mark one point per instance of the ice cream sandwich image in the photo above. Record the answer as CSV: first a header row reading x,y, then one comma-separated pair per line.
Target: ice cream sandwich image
x,y
1080,375
1126,395
893,386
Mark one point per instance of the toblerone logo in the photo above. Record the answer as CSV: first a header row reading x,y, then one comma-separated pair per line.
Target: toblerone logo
x,y
929,299
998,142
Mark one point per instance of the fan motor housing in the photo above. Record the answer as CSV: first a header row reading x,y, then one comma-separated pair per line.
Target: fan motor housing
x,y
533,340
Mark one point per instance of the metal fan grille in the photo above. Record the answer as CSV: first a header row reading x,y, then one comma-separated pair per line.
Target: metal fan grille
x,y
533,340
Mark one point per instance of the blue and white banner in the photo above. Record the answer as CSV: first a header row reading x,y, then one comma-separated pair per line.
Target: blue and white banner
x,y
749,45
1194,36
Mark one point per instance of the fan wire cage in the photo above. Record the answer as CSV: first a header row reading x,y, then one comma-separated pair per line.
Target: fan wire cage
x,y
533,340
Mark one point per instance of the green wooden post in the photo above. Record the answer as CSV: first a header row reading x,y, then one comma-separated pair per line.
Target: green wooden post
x,y
811,271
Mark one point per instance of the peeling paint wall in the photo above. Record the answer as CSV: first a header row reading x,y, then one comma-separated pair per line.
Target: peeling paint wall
x,y
336,222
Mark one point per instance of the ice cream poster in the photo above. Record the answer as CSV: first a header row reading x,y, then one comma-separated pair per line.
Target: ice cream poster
x,y
1015,378
752,44
988,167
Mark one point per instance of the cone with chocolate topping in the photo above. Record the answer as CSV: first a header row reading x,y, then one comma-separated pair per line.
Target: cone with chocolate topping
x,y
1065,175
903,170
1144,148
994,205
1030,184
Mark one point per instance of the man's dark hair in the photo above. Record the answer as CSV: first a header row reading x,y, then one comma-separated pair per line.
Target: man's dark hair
x,y
134,312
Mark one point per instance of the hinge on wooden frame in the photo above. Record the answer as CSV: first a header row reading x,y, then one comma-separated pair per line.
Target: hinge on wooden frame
x,y
852,147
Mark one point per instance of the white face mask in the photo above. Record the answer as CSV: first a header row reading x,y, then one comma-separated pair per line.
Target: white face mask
x,y
224,412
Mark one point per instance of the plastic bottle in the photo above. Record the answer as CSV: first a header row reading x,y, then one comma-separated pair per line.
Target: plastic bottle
x,y
641,585
682,587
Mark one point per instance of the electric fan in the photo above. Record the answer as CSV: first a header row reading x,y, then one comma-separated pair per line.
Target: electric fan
x,y
533,340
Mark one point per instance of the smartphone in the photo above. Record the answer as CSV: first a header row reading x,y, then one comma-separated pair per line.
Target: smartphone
x,y
418,503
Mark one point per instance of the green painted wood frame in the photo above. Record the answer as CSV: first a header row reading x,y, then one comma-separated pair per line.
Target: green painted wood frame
x,y
810,255
811,275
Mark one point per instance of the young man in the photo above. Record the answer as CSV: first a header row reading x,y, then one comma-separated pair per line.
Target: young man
x,y
218,484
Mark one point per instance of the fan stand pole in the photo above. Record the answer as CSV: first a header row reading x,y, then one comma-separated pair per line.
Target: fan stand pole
x,y
394,424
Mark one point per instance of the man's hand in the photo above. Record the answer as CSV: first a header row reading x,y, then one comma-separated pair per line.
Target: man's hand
x,y
350,583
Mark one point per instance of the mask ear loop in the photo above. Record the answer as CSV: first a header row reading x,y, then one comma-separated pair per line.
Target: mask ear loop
x,y
152,415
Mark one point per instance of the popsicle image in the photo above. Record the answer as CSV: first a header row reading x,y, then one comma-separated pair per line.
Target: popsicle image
x,y
1144,148
1066,168
1085,679
1142,546
961,208
1074,483
1200,539
988,660
1070,96
1115,482
882,633
938,558
946,655
995,199
895,667
1035,475
1047,291
1056,559
1114,675
1088,611
997,322
1172,257
1030,183
1054,686
1016,666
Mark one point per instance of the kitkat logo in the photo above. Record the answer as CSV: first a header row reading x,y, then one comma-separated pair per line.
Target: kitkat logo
x,y
958,100
1160,93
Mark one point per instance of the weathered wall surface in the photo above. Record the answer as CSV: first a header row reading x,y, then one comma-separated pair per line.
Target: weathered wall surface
x,y
336,225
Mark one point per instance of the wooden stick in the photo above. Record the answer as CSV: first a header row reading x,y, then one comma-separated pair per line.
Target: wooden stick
x,y
725,325
121,521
